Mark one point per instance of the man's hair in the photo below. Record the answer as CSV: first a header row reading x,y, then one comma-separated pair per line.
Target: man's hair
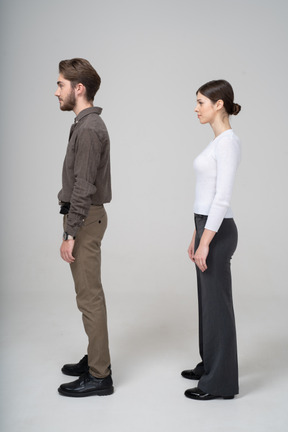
x,y
78,70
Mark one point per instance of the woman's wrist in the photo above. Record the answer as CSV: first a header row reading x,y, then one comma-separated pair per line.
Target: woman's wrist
x,y
207,237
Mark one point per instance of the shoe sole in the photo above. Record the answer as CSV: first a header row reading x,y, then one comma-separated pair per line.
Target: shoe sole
x,y
103,392
73,373
209,398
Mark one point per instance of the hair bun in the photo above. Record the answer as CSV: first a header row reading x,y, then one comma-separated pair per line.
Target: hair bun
x,y
236,108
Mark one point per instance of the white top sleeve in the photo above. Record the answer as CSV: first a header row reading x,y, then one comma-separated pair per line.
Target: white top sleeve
x,y
215,174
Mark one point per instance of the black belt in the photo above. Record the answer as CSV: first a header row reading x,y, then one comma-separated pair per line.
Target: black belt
x,y
65,207
200,216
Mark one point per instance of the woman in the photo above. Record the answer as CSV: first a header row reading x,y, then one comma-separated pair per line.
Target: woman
x,y
213,244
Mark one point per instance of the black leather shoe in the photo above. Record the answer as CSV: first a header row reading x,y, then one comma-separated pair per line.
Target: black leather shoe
x,y
88,385
190,374
76,369
197,394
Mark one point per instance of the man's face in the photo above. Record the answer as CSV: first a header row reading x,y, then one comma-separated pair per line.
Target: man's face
x,y
65,94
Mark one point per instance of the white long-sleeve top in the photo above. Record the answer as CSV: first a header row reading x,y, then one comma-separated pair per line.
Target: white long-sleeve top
x,y
215,171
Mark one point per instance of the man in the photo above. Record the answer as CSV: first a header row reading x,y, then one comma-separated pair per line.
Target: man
x,y
86,186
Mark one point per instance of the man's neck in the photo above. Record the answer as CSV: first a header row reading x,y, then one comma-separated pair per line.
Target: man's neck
x,y
81,105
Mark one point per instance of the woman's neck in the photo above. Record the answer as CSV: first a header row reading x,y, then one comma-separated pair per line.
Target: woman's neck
x,y
220,125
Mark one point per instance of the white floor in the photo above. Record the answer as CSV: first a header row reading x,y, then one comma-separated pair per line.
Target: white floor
x,y
152,339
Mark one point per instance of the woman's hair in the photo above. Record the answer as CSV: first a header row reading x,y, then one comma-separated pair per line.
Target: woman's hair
x,y
78,70
220,89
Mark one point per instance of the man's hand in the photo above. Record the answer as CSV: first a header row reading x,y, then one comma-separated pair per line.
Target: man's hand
x,y
66,250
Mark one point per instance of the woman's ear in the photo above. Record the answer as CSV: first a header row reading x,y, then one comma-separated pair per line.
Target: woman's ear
x,y
219,104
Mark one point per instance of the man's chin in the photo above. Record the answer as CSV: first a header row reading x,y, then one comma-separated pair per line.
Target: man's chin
x,y
66,108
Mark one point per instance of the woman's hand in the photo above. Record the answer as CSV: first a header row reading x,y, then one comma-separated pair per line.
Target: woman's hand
x,y
201,256
191,247
202,251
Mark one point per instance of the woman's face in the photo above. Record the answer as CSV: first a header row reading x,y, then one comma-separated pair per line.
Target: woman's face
x,y
205,109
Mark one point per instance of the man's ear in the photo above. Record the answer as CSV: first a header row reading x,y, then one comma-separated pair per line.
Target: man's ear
x,y
80,89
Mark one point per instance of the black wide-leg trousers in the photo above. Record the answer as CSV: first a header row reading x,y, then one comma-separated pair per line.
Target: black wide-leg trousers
x,y
217,332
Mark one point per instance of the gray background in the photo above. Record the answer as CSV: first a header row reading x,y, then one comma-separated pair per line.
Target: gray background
x,y
152,56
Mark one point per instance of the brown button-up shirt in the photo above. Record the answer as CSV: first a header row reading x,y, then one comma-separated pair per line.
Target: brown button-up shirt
x,y
86,176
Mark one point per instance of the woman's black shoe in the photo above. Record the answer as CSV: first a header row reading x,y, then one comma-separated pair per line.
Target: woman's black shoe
x,y
198,394
190,374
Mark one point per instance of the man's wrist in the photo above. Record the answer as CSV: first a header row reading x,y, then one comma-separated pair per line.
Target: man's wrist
x,y
67,236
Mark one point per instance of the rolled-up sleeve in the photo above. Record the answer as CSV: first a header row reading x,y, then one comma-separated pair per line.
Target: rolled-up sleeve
x,y
87,155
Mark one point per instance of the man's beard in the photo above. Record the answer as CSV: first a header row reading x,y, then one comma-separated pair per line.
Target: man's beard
x,y
69,103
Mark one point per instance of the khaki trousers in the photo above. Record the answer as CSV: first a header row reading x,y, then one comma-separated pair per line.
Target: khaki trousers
x,y
86,272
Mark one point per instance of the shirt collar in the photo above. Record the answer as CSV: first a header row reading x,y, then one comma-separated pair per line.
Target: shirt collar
x,y
86,112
